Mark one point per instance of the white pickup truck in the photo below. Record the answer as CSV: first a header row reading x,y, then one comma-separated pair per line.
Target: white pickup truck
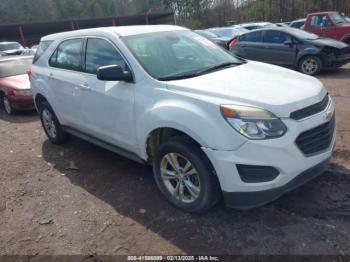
x,y
211,124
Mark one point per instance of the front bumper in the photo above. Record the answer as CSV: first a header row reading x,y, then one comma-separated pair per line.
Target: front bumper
x,y
248,200
336,61
22,103
283,154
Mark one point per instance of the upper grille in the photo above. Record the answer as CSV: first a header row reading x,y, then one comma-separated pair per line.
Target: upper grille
x,y
318,139
310,110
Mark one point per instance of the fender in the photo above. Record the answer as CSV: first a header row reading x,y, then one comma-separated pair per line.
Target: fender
x,y
207,127
345,38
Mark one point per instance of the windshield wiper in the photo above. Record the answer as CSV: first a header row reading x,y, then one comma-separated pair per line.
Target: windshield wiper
x,y
178,77
218,67
201,72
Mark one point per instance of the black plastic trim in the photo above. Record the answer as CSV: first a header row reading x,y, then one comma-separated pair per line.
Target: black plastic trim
x,y
250,200
257,174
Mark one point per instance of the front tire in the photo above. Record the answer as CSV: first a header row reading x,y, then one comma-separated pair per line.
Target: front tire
x,y
51,125
7,106
185,176
310,65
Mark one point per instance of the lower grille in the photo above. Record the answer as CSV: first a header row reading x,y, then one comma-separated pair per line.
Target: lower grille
x,y
318,139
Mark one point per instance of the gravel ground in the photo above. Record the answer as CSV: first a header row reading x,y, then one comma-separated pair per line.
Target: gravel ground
x,y
80,199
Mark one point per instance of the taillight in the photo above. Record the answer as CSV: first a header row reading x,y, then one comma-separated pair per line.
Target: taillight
x,y
29,72
233,43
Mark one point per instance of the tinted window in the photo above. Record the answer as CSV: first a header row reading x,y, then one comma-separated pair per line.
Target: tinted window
x,y
14,67
276,37
68,55
251,37
44,45
99,53
297,24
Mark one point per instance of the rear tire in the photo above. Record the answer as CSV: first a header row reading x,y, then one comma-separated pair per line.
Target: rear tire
x,y
310,65
51,125
192,185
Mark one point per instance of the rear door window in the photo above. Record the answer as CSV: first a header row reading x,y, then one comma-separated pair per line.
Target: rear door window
x,y
68,55
100,52
254,37
275,37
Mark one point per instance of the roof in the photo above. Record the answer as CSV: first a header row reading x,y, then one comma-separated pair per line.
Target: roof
x,y
14,57
323,13
119,30
299,20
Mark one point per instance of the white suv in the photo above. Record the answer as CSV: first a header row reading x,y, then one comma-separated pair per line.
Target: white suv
x,y
211,124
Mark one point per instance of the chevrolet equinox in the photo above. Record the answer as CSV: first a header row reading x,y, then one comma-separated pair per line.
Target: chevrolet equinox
x,y
212,125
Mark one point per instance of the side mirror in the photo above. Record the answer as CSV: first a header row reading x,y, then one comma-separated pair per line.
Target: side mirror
x,y
289,43
113,73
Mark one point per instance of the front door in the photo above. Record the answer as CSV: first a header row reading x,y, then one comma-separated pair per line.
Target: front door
x,y
279,48
107,106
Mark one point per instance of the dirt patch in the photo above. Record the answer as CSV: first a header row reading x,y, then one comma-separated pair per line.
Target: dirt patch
x,y
80,199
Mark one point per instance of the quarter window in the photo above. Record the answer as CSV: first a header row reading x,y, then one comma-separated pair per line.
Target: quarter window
x,y
68,55
99,53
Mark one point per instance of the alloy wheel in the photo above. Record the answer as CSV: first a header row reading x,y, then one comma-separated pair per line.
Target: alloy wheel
x,y
309,66
49,123
180,178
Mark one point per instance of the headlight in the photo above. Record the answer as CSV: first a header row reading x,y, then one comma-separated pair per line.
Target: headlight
x,y
253,123
22,92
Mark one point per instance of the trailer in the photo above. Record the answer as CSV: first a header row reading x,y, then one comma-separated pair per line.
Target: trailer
x,y
29,34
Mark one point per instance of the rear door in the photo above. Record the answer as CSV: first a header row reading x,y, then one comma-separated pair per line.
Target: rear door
x,y
279,48
64,78
107,106
250,46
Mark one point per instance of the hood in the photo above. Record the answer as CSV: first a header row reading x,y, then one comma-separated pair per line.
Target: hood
x,y
279,90
13,52
328,42
19,82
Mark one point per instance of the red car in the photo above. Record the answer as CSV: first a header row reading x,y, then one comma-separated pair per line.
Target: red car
x,y
328,24
15,90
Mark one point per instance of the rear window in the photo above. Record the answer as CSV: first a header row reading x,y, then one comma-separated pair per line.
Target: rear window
x,y
43,46
252,37
14,67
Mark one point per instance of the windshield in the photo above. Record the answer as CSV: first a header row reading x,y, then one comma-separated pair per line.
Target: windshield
x,y
10,46
14,67
176,54
337,18
303,35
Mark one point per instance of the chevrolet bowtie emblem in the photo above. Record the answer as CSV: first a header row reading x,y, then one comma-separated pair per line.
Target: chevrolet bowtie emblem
x,y
328,116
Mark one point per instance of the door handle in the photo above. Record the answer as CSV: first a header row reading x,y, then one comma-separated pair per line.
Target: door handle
x,y
85,87
50,76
